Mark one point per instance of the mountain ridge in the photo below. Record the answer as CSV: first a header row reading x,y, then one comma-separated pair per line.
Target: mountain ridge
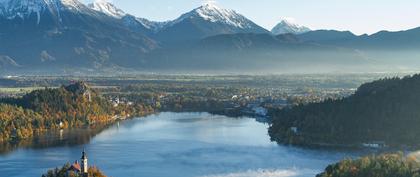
x,y
68,37
286,26
86,38
107,8
204,21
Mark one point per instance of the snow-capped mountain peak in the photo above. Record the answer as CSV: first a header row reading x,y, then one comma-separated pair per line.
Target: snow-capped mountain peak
x,y
107,8
204,21
11,9
213,13
288,26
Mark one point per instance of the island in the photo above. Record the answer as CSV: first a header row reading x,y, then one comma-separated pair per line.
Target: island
x,y
76,169
382,113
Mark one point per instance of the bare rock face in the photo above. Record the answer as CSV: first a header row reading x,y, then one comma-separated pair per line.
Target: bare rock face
x,y
78,88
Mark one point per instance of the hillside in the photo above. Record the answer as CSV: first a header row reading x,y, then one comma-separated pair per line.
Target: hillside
x,y
57,35
75,105
382,111
256,53
72,106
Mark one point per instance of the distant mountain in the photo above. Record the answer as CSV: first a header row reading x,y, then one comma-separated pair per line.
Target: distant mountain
x,y
258,53
142,25
207,20
153,25
107,8
136,24
286,26
404,40
204,21
245,41
408,39
66,34
327,36
397,49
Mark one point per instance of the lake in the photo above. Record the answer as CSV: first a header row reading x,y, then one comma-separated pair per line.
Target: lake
x,y
172,145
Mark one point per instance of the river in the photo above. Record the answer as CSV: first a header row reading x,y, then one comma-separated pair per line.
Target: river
x,y
172,145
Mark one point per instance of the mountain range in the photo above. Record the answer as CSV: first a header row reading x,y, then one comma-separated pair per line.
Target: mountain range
x,y
67,36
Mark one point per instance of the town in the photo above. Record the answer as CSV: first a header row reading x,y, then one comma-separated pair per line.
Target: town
x,y
228,95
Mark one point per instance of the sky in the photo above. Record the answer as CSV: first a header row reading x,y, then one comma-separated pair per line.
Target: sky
x,y
358,16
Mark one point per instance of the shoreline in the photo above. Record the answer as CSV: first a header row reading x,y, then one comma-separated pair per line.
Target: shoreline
x,y
89,131
353,146
43,135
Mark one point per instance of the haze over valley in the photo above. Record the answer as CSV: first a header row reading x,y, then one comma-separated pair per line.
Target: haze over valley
x,y
96,88
66,37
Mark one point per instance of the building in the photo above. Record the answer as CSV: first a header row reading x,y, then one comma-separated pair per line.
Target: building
x,y
74,168
84,164
79,168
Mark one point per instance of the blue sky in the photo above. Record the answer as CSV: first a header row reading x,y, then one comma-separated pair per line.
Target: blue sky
x,y
358,16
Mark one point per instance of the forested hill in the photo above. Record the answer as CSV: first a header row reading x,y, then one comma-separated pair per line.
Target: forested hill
x,y
386,110
75,98
387,165
70,106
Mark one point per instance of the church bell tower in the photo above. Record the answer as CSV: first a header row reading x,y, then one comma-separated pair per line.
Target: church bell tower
x,y
84,164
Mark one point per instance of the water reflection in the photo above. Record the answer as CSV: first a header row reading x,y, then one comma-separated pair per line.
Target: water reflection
x,y
170,144
57,138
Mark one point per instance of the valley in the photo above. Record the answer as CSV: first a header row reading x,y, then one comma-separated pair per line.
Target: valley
x,y
91,88
75,38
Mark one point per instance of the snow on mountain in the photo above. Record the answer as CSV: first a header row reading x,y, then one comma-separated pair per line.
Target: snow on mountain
x,y
287,26
204,21
12,9
213,13
152,25
107,8
129,20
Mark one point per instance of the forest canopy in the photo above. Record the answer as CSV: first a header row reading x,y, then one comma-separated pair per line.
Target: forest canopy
x,y
71,106
385,110
65,172
387,165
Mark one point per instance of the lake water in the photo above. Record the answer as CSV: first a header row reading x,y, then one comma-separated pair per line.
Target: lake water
x,y
173,145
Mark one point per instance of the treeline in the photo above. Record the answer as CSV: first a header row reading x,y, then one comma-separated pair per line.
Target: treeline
x,y
388,165
185,97
386,111
64,172
72,106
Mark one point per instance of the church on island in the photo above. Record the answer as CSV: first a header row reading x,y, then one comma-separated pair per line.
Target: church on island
x,y
81,168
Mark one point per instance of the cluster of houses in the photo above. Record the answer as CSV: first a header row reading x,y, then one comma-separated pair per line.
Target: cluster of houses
x,y
256,106
116,101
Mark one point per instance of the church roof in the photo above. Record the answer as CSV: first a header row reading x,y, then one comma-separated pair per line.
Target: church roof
x,y
75,166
